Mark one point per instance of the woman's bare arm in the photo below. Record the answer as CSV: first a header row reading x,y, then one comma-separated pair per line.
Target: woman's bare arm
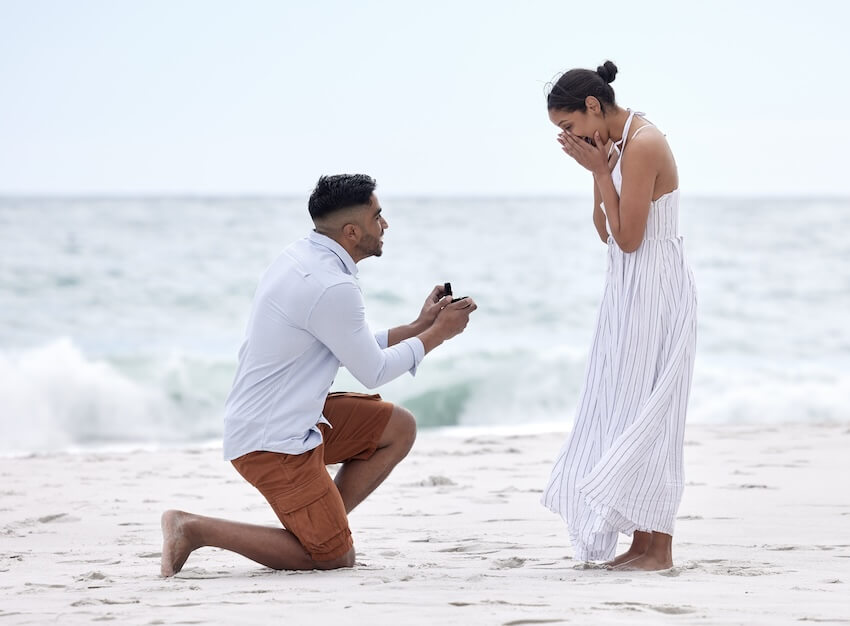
x,y
599,214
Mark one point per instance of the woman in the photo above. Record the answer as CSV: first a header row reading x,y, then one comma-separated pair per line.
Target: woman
x,y
620,470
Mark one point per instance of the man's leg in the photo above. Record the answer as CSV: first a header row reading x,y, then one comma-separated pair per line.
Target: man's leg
x,y
182,533
305,500
277,548
357,478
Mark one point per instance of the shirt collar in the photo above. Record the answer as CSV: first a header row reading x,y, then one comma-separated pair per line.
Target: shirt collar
x,y
333,246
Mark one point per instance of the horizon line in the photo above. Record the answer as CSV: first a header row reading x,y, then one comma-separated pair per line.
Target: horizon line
x,y
197,195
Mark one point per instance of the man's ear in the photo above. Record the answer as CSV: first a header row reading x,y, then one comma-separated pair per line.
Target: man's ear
x,y
351,232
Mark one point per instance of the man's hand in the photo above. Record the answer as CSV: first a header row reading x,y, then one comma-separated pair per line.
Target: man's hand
x,y
451,321
434,303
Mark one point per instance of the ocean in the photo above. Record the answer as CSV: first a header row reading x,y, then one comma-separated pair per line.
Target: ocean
x,y
121,318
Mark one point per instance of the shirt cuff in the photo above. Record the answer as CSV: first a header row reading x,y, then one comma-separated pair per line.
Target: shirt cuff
x,y
418,348
383,339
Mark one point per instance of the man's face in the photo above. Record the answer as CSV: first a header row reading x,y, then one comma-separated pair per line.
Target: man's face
x,y
372,228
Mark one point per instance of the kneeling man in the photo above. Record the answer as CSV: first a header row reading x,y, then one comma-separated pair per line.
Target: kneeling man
x,y
281,427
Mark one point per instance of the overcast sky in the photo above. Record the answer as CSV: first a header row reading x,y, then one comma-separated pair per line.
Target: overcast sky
x,y
437,97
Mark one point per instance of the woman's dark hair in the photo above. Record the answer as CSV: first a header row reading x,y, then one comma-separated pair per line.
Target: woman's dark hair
x,y
570,90
340,191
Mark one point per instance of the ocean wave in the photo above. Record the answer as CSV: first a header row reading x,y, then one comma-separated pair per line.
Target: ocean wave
x,y
56,398
767,392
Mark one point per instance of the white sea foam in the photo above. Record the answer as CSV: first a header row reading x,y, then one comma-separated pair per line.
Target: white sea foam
x,y
54,398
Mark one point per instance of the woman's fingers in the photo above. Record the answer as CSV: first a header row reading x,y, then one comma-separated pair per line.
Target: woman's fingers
x,y
574,147
565,146
576,143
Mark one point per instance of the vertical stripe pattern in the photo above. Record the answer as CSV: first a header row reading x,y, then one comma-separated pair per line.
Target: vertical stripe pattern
x,y
621,468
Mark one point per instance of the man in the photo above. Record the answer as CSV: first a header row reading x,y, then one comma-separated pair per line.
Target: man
x,y
281,427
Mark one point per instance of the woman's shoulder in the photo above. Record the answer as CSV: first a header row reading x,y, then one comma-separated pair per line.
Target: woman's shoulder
x,y
647,140
648,152
646,132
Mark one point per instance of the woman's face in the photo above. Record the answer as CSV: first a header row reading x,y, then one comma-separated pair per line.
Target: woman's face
x,y
581,124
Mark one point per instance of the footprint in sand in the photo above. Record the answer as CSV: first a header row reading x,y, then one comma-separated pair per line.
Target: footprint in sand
x,y
668,609
88,576
433,481
673,572
424,514
95,601
722,567
510,563
586,565
479,548
58,517
199,574
748,486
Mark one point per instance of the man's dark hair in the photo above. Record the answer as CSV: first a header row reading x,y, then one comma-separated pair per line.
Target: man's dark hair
x,y
340,191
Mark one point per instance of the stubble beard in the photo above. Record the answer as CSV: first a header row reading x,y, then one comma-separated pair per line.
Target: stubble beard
x,y
370,246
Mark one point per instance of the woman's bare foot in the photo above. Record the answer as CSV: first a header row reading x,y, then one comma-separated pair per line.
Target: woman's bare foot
x,y
658,555
626,557
640,544
646,563
176,546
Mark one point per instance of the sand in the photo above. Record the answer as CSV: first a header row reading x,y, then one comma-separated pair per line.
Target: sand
x,y
455,536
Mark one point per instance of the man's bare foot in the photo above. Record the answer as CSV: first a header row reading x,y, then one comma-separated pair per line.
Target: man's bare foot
x,y
627,556
646,563
176,546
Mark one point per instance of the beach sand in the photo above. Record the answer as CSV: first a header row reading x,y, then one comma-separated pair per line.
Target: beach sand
x,y
455,536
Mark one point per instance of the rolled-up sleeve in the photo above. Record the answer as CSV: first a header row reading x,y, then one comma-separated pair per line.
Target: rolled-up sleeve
x,y
338,320
383,338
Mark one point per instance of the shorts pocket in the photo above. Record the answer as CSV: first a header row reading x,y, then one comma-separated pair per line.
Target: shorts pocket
x,y
301,497
315,515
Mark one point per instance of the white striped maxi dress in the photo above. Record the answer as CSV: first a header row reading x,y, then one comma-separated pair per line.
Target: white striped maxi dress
x,y
621,467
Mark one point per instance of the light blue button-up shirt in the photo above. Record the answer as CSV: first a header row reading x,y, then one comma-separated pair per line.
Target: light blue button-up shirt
x,y
307,319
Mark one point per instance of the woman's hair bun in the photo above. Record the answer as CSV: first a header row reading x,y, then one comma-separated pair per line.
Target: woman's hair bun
x,y
608,71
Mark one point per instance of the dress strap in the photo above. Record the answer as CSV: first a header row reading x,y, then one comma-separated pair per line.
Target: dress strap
x,y
641,128
621,144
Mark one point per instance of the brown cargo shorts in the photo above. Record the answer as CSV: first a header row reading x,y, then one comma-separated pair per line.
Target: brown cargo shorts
x,y
298,486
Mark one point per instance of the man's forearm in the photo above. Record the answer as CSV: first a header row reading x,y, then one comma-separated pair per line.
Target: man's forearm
x,y
400,333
